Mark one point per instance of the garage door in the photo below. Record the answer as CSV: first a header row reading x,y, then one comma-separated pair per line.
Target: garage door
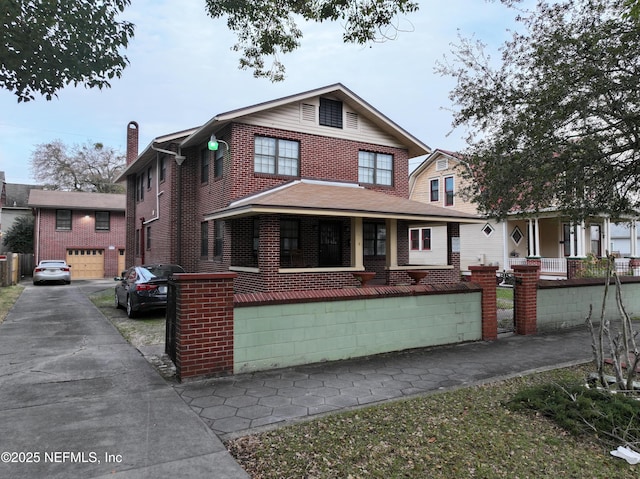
x,y
86,263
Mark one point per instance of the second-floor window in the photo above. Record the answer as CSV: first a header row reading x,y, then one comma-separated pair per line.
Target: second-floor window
x,y
163,168
63,219
149,176
448,191
103,221
434,188
375,168
204,166
276,156
218,163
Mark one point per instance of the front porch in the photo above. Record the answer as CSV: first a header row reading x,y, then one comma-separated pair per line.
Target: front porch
x,y
291,252
555,244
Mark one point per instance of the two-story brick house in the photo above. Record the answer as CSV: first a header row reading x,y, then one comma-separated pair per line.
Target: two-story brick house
x,y
87,230
305,191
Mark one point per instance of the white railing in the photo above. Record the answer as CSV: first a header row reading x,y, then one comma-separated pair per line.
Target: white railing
x,y
553,265
547,265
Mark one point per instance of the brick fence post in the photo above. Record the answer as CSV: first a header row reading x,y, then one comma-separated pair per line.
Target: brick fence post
x,y
525,299
204,324
485,276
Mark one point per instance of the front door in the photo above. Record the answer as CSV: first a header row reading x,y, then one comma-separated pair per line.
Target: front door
x,y
596,239
330,243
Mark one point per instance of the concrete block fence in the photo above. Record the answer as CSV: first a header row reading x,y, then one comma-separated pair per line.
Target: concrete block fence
x,y
214,332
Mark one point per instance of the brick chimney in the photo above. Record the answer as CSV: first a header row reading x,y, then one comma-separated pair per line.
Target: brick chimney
x,y
132,142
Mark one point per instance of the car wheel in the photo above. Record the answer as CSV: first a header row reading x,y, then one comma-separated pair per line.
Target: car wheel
x,y
130,312
116,303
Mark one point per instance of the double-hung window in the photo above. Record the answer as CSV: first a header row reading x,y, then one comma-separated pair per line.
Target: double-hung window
x,y
276,156
289,236
448,191
374,239
218,245
375,168
63,219
204,239
204,165
434,189
103,221
420,239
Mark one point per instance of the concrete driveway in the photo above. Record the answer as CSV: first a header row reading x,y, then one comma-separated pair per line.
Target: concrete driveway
x,y
76,400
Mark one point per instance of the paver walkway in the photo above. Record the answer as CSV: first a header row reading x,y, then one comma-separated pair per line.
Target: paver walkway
x,y
241,404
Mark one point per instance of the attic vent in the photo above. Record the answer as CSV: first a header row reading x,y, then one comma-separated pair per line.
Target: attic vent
x,y
352,120
308,112
442,164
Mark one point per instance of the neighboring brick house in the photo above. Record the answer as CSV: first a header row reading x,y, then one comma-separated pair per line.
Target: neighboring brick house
x,y
13,205
85,229
306,191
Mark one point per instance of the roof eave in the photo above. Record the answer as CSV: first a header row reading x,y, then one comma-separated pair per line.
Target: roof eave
x,y
253,210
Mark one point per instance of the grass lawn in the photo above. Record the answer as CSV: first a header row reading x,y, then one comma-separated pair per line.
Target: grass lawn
x,y
145,330
504,297
466,433
8,297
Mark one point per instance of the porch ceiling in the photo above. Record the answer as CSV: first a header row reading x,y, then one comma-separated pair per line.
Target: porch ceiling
x,y
336,199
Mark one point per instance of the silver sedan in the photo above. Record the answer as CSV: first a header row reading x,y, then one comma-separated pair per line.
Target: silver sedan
x,y
52,270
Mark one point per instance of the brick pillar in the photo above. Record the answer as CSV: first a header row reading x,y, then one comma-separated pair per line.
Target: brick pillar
x,y
573,266
485,276
525,299
204,324
634,266
535,261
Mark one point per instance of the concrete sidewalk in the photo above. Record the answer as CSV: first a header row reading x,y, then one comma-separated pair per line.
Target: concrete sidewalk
x,y
243,404
76,400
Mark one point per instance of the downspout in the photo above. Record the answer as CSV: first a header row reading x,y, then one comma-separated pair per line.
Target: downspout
x,y
158,193
142,240
36,249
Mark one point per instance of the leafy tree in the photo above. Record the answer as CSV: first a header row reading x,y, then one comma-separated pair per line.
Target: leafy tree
x,y
267,28
19,238
88,167
555,122
48,44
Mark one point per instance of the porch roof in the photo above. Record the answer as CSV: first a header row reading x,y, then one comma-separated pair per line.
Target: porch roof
x,y
317,198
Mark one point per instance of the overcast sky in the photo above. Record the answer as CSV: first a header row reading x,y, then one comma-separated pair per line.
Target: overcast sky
x,y
183,72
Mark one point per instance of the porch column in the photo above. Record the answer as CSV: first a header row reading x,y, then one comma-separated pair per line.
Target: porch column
x,y
606,236
357,252
505,245
534,238
582,231
392,244
633,238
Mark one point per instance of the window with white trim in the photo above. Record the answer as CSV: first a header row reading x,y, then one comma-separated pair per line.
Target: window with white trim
x,y
434,189
448,191
487,229
420,239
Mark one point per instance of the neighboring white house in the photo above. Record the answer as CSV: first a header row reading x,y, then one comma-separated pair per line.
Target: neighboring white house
x,y
546,236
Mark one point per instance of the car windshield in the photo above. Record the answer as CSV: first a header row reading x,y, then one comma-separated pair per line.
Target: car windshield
x,y
163,270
